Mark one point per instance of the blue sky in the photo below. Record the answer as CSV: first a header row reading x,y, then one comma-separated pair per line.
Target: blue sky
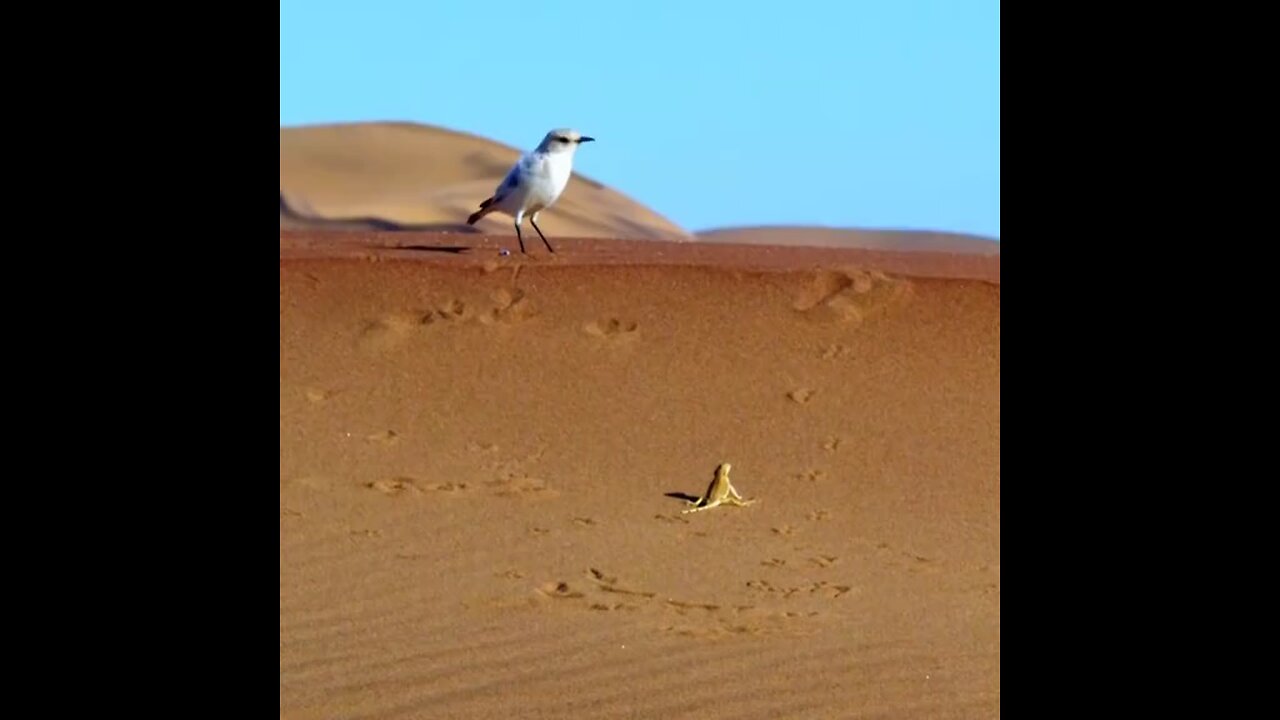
x,y
844,113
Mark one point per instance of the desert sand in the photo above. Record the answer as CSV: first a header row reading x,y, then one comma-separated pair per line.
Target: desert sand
x,y
484,457
483,460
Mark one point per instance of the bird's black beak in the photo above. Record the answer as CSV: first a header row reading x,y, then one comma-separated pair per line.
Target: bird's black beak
x,y
586,139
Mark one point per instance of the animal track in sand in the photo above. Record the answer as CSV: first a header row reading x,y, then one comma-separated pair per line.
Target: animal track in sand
x,y
716,622
671,518
850,296
559,591
521,486
912,562
400,485
448,311
811,475
584,522
824,561
603,592
509,306
831,444
820,587
318,395
447,487
605,584
386,333
394,486
800,395
822,286
385,437
819,515
612,328
835,352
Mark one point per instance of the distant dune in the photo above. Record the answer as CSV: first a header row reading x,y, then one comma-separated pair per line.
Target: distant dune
x,y
850,238
406,176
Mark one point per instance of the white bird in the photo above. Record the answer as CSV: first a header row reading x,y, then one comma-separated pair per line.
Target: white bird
x,y
535,182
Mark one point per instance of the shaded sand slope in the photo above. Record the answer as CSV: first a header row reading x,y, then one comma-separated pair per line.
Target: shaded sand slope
x,y
399,174
475,462
904,240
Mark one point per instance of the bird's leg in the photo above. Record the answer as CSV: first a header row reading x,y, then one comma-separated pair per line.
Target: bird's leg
x,y
520,237
534,222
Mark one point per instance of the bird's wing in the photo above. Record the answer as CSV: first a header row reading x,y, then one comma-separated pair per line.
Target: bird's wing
x,y
512,180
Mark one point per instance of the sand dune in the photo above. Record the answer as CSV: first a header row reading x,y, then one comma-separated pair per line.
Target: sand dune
x,y
401,176
390,175
481,459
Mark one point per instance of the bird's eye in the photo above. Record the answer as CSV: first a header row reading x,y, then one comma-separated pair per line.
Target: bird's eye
x,y
563,139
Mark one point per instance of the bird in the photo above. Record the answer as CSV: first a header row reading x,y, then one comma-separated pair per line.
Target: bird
x,y
535,182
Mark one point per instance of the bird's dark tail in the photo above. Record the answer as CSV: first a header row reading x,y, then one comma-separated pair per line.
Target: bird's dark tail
x,y
484,210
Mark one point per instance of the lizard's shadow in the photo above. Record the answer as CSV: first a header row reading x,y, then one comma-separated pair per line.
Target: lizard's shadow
x,y
683,496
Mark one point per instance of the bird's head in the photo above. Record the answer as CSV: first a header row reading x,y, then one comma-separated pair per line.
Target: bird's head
x,y
563,140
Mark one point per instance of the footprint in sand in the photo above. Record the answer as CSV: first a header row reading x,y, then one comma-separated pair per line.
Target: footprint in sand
x,y
317,395
672,519
386,333
821,287
810,475
522,486
559,591
851,296
449,311
385,437
509,307
401,485
612,329
609,584
395,486
835,352
829,590
448,487
741,620
800,395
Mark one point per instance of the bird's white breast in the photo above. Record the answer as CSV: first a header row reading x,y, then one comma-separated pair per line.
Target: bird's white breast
x,y
553,175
